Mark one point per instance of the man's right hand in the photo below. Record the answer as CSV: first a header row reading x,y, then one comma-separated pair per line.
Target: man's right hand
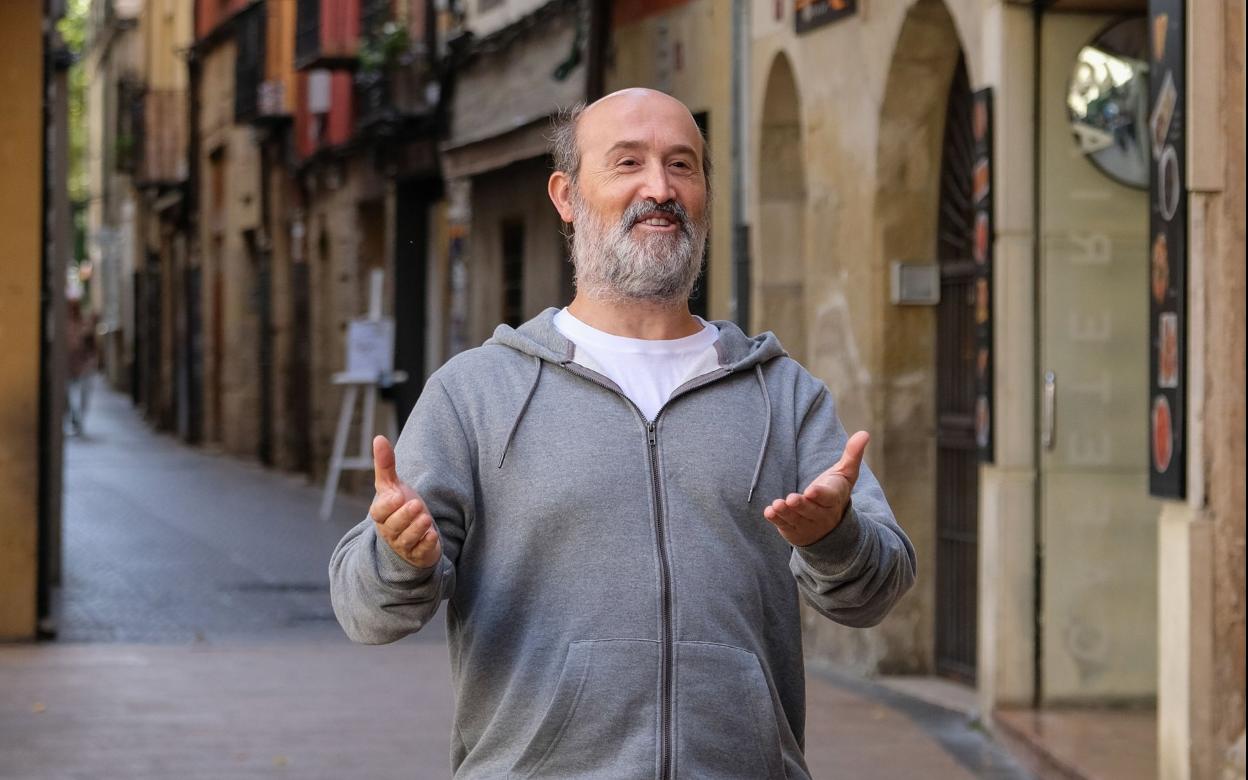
x,y
401,517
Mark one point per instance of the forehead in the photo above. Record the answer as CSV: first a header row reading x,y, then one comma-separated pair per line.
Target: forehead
x,y
652,121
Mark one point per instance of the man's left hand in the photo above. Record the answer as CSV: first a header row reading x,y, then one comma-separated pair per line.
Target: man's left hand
x,y
805,518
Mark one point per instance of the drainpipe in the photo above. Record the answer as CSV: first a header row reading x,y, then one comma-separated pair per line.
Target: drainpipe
x,y
740,303
598,39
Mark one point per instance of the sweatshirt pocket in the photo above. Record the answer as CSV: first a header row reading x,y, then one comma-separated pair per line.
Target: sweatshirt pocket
x,y
726,724
602,717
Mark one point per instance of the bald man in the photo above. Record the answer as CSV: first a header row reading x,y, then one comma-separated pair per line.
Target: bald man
x,y
621,503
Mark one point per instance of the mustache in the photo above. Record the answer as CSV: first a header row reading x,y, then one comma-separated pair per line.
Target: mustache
x,y
644,208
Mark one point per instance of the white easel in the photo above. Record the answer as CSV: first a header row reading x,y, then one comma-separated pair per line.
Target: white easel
x,y
369,364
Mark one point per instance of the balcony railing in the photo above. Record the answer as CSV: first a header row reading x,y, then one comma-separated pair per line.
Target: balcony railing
x,y
395,95
327,33
394,82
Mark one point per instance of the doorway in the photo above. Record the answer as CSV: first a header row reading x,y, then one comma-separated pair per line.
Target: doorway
x,y
1097,544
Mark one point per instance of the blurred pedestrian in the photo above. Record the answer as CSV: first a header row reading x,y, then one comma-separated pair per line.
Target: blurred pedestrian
x,y
607,498
80,347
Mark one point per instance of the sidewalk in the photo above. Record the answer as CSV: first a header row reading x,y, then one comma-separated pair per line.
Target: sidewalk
x,y
197,642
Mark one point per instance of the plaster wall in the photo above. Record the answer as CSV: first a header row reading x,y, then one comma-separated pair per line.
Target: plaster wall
x,y
21,153
1224,424
515,193
345,240
166,28
487,16
230,200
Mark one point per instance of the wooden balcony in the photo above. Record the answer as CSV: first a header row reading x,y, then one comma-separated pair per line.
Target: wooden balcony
x,y
327,33
163,157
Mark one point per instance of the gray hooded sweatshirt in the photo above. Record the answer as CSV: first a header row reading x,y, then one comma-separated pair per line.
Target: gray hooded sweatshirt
x,y
617,605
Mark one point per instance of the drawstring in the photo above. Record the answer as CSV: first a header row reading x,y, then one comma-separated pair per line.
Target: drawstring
x,y
762,450
532,389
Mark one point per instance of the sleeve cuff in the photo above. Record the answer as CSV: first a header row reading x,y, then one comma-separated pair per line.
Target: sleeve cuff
x,y
395,571
840,546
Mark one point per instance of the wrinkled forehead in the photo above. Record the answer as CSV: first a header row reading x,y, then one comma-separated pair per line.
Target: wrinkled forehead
x,y
651,122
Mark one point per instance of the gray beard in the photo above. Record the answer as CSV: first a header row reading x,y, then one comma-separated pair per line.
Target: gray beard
x,y
613,264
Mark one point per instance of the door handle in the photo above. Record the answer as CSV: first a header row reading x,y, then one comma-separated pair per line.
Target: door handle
x,y
1048,411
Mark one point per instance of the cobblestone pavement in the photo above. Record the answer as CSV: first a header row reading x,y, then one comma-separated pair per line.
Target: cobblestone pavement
x,y
196,641
167,543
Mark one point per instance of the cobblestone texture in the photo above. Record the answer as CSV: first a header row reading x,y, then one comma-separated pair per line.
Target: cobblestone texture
x,y
167,543
196,641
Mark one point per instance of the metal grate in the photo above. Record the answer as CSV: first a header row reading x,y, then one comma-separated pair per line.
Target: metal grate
x,y
957,467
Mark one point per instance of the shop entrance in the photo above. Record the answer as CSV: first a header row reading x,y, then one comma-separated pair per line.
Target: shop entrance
x,y
1097,553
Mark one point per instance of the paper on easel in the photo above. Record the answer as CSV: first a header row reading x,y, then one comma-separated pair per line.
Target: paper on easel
x,y
370,348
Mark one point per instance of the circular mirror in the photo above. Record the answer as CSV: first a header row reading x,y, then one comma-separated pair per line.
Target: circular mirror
x,y
1108,101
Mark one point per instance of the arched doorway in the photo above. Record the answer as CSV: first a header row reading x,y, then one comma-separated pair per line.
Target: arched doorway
x,y
912,174
779,289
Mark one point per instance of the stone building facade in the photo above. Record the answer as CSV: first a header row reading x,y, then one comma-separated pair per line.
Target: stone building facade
x,y
1049,575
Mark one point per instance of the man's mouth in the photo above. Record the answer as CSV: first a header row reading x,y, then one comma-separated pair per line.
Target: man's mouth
x,y
658,220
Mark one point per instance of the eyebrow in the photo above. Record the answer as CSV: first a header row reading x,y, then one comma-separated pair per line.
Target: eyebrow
x,y
632,145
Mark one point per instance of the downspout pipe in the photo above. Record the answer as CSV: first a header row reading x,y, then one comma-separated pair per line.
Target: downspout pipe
x,y
740,302
599,39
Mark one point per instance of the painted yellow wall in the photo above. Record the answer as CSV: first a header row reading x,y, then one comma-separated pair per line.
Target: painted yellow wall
x,y
645,55
279,50
21,149
167,27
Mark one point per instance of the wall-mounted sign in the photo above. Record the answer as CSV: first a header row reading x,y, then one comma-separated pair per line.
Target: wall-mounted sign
x,y
981,251
809,14
1167,224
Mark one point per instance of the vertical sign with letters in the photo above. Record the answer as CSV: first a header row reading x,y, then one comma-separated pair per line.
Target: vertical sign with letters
x,y
981,251
1167,224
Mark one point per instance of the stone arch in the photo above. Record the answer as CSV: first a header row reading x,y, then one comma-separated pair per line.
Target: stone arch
x,y
779,269
906,204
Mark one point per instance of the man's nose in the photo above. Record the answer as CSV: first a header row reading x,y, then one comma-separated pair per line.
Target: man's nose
x,y
657,185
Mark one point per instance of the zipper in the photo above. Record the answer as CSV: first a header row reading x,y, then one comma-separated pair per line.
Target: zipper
x,y
666,676
665,601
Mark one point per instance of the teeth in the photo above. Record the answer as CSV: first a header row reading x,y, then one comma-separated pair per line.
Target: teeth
x,y
657,222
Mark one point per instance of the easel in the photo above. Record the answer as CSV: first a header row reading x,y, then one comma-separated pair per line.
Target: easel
x,y
368,369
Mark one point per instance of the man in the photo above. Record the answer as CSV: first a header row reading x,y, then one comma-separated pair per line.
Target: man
x,y
80,352
620,502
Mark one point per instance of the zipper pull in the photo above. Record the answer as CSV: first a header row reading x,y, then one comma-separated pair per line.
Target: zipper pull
x,y
650,432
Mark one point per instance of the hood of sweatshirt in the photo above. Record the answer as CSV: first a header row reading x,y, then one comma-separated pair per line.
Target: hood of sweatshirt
x,y
541,339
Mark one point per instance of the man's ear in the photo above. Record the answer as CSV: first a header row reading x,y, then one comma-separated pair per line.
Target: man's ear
x,y
560,190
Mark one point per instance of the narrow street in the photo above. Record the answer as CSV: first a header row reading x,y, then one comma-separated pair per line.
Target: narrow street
x,y
196,640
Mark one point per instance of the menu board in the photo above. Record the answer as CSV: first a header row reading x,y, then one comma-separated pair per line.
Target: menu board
x,y
981,252
1167,225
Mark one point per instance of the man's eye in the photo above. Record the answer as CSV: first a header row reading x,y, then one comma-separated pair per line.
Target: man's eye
x,y
628,162
681,164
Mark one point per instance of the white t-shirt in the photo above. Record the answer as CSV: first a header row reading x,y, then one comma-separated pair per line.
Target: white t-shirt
x,y
647,370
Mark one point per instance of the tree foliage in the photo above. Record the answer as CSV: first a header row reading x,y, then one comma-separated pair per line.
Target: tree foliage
x,y
73,30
